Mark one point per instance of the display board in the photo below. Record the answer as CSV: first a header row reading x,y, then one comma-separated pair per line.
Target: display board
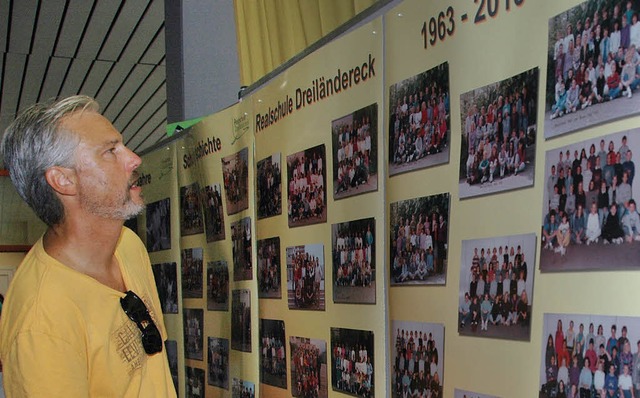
x,y
334,213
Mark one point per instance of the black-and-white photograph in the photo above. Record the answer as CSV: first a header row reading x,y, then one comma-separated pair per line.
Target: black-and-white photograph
x,y
194,382
587,355
166,277
496,287
419,240
352,356
159,225
217,286
417,360
218,362
190,210
243,389
308,367
590,218
213,213
235,171
241,320
172,355
269,184
192,272
241,239
269,272
306,176
593,66
355,152
305,277
354,266
419,121
193,337
273,358
498,148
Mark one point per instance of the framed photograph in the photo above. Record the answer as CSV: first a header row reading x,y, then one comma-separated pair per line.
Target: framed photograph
x,y
243,389
194,382
273,356
308,367
241,239
355,152
235,171
217,286
165,275
172,354
218,362
470,394
418,355
192,271
353,248
269,184
190,210
591,67
159,225
213,213
269,272
241,320
496,287
353,362
590,218
419,240
498,148
305,277
419,121
581,349
193,336
306,174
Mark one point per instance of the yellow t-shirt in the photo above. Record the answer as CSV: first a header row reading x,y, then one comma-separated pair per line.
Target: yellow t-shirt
x,y
64,334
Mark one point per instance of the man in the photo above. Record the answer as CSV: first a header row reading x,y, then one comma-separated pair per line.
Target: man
x,y
66,329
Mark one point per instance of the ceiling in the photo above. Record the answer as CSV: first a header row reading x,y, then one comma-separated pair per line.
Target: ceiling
x,y
112,50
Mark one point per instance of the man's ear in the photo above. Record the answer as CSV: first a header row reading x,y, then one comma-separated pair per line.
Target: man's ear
x,y
61,179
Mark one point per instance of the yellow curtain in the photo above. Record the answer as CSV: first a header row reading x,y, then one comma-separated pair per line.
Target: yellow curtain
x,y
270,32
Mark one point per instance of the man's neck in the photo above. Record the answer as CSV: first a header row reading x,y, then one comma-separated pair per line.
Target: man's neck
x,y
87,247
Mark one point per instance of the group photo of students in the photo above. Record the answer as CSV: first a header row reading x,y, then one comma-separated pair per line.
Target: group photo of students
x,y
590,356
165,275
593,62
419,121
218,362
496,287
217,286
235,174
417,368
499,135
213,212
242,389
192,270
419,240
241,320
193,337
305,277
352,365
353,249
241,239
273,360
269,279
159,225
590,210
269,186
355,153
308,367
194,382
306,175
190,210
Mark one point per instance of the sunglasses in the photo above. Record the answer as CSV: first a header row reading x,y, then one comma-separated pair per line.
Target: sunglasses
x,y
135,309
